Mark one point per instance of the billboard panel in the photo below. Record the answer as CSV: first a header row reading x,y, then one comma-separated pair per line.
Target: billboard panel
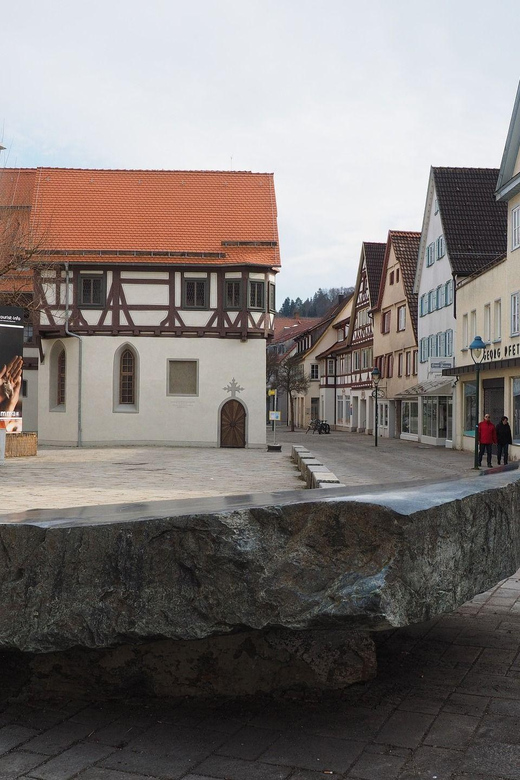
x,y
11,362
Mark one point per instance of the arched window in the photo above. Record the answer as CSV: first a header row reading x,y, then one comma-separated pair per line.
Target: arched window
x,y
127,377
60,379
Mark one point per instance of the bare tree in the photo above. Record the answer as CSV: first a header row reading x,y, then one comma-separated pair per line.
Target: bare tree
x,y
24,254
290,377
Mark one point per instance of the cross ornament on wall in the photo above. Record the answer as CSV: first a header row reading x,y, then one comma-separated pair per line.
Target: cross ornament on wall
x,y
233,388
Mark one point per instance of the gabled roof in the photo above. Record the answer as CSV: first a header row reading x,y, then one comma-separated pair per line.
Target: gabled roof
x,y
286,328
508,184
474,223
321,326
374,256
406,250
209,217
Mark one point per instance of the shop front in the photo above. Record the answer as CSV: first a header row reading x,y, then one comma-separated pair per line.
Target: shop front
x,y
499,395
427,412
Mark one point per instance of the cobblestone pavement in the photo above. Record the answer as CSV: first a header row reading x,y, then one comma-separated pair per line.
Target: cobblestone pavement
x,y
356,461
444,706
64,477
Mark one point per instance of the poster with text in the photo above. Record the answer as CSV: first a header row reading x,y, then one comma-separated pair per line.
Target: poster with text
x,y
11,364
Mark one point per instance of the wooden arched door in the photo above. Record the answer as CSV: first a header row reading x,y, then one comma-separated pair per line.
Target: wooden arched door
x,y
232,424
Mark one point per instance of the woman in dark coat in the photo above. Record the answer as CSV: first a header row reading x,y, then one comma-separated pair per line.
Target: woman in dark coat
x,y
504,439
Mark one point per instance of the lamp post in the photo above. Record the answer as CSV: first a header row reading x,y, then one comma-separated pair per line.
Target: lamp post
x,y
476,349
376,376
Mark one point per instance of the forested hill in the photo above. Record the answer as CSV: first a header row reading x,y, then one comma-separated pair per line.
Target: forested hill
x,y
316,306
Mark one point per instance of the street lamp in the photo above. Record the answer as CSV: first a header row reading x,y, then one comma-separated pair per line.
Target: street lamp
x,y
476,349
376,376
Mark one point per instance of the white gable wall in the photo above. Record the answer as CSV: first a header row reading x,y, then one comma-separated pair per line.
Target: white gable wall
x,y
431,278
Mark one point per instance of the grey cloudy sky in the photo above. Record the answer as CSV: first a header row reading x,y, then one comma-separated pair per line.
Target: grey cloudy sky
x,y
348,103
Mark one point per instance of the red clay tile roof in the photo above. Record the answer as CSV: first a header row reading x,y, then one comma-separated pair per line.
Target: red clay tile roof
x,y
228,216
288,327
374,257
474,222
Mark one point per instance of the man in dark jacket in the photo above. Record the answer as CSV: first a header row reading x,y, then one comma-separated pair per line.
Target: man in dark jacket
x,y
504,439
487,436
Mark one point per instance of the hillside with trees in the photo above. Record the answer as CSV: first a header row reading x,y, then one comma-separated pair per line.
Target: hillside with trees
x,y
316,306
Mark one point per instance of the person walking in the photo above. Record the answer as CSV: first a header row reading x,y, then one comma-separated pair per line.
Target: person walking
x,y
487,436
504,439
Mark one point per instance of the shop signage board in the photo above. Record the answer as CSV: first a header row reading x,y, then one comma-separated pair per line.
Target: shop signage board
x,y
11,362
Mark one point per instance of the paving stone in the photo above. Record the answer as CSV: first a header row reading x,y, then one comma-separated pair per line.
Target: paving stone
x,y
462,654
117,734
12,736
405,729
148,763
308,774
59,737
491,685
499,728
466,704
308,751
70,762
236,769
357,723
429,701
431,762
248,743
508,707
373,766
98,773
499,759
182,743
451,731
13,764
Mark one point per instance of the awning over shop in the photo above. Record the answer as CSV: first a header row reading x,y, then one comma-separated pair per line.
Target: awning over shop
x,y
440,386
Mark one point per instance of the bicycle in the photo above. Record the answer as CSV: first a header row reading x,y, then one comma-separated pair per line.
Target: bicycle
x,y
321,426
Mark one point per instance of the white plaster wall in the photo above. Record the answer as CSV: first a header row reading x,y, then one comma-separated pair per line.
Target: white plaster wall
x,y
431,277
161,419
58,427
143,294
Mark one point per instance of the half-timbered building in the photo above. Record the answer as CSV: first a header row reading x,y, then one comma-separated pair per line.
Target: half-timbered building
x,y
358,361
156,305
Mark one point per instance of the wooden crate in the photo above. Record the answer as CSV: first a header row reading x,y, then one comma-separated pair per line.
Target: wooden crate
x,y
21,445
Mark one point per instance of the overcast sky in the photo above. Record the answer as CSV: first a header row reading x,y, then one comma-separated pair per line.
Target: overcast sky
x,y
348,103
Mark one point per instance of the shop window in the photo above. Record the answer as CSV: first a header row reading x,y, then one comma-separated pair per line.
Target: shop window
x,y
410,417
339,413
516,409
470,408
429,417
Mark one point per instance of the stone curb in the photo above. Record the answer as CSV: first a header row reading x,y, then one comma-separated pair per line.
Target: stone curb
x,y
313,471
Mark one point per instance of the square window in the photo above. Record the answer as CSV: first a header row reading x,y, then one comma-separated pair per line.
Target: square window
x,y
92,291
195,293
183,377
256,295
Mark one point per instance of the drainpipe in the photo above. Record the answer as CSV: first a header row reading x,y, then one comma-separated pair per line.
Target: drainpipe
x,y
80,356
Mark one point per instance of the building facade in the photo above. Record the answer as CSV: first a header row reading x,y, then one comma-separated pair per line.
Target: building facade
x,y
156,305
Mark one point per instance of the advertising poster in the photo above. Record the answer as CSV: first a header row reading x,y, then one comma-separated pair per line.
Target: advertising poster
x,y
11,362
